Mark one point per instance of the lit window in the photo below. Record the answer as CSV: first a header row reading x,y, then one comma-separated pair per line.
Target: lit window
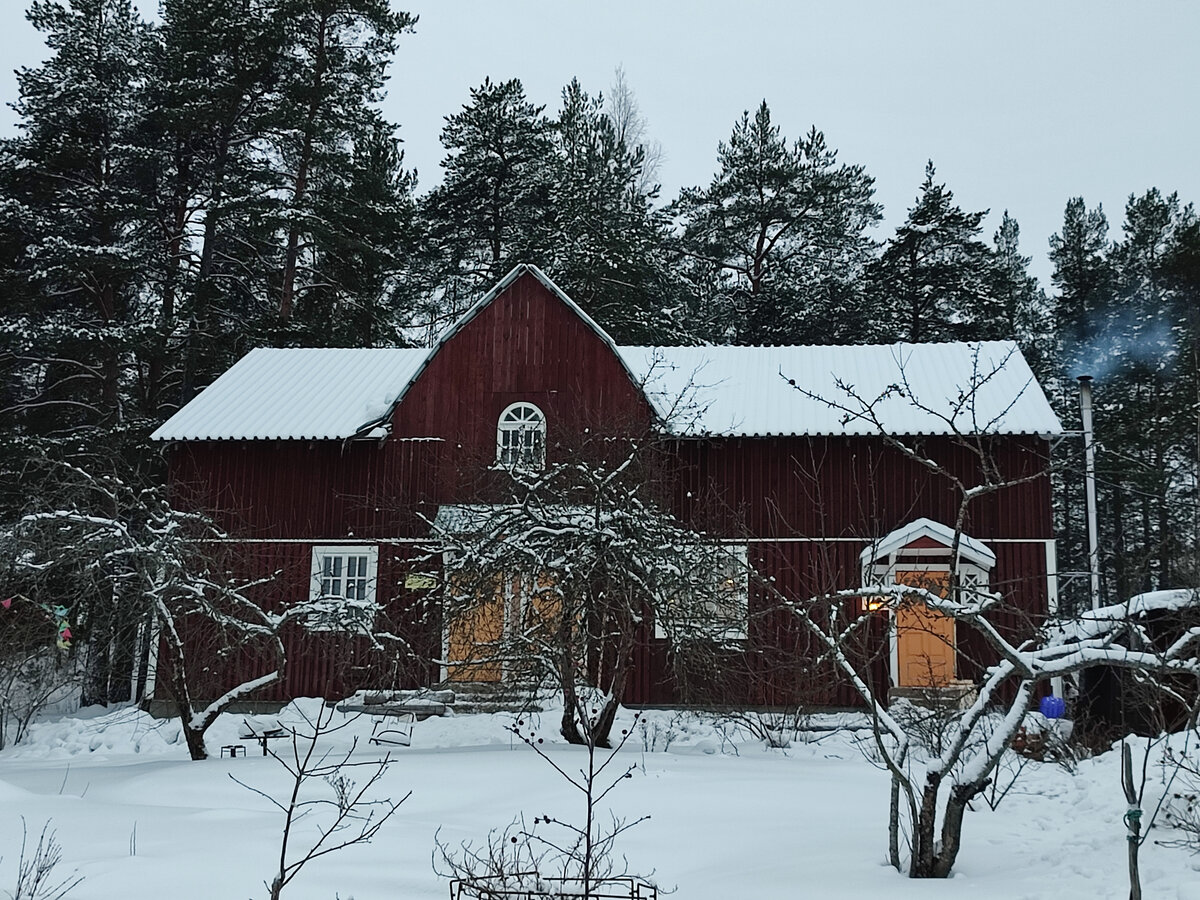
x,y
521,437
722,607
343,577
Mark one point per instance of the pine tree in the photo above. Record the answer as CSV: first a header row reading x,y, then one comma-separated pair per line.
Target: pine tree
x,y
335,56
1144,412
1122,317
779,236
607,239
931,282
212,105
492,208
1083,276
1083,280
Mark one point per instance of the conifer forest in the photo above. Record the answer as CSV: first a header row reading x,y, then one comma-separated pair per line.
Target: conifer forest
x,y
183,190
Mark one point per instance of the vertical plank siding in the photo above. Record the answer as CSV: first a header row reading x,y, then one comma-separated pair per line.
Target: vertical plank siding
x,y
806,505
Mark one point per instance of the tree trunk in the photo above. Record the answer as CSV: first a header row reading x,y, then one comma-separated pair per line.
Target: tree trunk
x,y
894,825
292,255
923,856
952,824
1133,823
205,288
570,726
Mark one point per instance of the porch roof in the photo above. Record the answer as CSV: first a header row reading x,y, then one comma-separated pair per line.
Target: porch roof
x,y
969,549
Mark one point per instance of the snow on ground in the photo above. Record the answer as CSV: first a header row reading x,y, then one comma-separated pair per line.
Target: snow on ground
x,y
729,818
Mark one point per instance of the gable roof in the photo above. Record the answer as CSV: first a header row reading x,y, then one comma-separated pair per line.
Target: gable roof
x,y
338,394
910,389
969,549
483,302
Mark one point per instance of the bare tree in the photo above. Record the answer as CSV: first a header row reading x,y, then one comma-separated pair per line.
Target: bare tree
x,y
521,860
37,669
573,569
934,796
350,816
622,108
168,565
35,870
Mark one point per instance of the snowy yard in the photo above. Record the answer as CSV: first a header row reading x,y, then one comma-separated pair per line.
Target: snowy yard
x,y
139,820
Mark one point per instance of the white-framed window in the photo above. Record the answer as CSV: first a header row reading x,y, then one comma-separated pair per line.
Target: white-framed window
x,y
721,608
344,578
521,437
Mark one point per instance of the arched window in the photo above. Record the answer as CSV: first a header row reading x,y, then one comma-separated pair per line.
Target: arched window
x,y
521,437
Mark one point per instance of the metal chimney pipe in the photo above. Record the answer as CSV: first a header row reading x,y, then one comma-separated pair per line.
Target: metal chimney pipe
x,y
1089,455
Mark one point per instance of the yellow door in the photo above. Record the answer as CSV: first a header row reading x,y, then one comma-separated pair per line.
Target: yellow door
x,y
924,637
476,634
475,639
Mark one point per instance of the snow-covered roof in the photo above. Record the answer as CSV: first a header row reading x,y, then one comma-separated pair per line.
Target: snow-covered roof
x,y
911,389
335,394
969,548
296,394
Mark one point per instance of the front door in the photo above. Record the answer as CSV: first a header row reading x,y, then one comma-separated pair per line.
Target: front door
x,y
473,643
924,638
499,632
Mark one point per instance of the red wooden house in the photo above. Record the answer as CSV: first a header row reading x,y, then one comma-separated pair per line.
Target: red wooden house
x,y
327,465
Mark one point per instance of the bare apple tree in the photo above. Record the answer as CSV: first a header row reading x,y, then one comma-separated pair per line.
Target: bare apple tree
x,y
168,565
930,795
562,578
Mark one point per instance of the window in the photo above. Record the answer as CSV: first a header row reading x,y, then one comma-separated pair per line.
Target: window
x,y
345,578
721,607
521,437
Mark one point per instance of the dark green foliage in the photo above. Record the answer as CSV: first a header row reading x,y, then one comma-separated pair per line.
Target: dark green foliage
x,y
492,209
72,225
1125,314
775,245
606,248
931,282
336,260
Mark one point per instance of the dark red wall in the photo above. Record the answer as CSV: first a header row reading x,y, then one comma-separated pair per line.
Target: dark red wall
x,y
529,346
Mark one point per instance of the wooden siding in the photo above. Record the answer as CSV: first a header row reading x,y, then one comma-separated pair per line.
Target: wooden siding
x,y
326,664
527,345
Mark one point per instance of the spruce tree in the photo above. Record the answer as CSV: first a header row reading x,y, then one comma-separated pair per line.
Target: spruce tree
x,y
73,230
1021,310
360,290
607,240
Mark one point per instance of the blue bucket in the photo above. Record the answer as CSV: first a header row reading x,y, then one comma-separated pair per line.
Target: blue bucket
x,y
1052,707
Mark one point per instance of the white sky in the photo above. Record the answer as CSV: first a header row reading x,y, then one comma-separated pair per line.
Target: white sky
x,y
1021,105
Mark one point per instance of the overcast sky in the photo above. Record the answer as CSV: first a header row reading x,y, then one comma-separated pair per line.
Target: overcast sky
x,y
1021,105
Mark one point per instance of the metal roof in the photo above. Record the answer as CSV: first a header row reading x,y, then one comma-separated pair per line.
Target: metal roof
x,y
902,389
335,394
296,394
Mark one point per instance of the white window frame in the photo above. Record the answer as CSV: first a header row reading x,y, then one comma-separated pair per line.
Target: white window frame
x,y
357,614
528,450
736,607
